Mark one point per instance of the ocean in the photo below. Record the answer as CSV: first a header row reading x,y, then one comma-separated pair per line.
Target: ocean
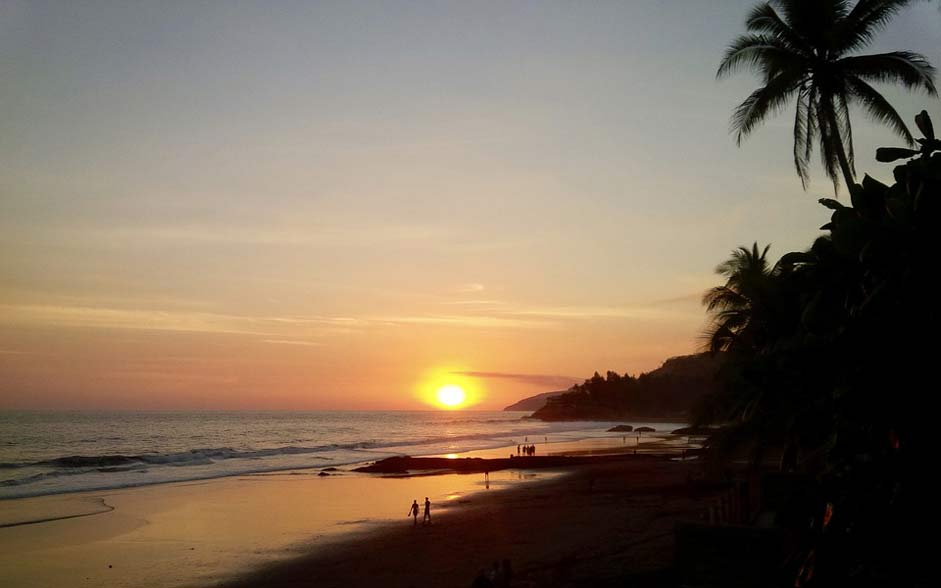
x,y
47,452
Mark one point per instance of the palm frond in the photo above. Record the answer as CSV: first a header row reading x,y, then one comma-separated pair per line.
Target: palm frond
x,y
846,129
765,100
815,19
722,298
768,53
764,19
718,338
906,68
801,117
798,48
866,19
879,108
811,129
829,135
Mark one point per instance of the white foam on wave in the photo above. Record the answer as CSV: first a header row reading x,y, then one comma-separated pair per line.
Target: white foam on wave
x,y
76,473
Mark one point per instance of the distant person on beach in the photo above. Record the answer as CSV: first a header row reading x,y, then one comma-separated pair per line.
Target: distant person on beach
x,y
517,449
507,573
426,519
413,512
482,581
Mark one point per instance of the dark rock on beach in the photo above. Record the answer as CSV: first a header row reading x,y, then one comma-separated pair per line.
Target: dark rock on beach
x,y
698,431
403,465
621,429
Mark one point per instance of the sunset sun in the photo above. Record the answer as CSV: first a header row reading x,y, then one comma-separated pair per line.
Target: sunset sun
x,y
451,395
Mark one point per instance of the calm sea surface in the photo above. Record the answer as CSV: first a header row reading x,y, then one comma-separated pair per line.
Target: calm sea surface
x,y
56,452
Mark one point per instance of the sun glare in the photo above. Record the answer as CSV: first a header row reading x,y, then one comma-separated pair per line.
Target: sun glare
x,y
447,387
451,395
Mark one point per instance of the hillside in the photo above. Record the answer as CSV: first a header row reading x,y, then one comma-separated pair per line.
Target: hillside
x,y
668,392
536,402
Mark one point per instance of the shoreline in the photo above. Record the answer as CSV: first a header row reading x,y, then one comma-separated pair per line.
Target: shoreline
x,y
216,531
498,447
593,525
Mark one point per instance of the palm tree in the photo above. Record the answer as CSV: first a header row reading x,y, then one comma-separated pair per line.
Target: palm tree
x,y
739,305
804,52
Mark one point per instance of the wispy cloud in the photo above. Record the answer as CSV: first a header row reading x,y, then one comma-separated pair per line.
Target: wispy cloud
x,y
544,380
690,297
157,320
293,342
594,312
469,288
475,302
314,329
274,233
461,320
271,328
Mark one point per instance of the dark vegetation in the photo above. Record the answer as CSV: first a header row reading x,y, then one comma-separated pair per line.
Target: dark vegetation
x,y
829,368
668,392
828,353
804,52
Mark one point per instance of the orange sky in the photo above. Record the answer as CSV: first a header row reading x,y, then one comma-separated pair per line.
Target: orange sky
x,y
231,206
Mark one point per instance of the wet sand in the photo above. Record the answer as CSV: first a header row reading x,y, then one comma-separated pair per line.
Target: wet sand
x,y
195,534
297,528
600,525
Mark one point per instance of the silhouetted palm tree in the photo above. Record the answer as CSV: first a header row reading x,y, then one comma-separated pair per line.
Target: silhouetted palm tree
x,y
803,52
738,305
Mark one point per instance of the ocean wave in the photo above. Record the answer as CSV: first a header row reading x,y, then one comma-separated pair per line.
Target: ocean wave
x,y
205,456
126,465
201,456
36,478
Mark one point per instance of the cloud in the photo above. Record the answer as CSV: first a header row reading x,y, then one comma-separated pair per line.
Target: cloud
x,y
280,329
466,321
476,302
272,233
595,312
164,320
293,342
691,297
543,380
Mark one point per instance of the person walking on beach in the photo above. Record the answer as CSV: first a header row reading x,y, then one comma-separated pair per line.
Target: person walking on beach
x,y
426,520
413,512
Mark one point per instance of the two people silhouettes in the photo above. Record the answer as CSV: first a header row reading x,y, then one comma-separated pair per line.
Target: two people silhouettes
x,y
413,512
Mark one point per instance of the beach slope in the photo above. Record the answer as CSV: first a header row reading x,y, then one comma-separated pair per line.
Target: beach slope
x,y
596,526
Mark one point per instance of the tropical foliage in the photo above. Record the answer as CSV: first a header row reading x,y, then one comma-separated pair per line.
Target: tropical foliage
x,y
840,380
804,52
667,392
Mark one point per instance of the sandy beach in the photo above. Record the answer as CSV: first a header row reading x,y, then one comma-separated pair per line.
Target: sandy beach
x,y
289,528
597,525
